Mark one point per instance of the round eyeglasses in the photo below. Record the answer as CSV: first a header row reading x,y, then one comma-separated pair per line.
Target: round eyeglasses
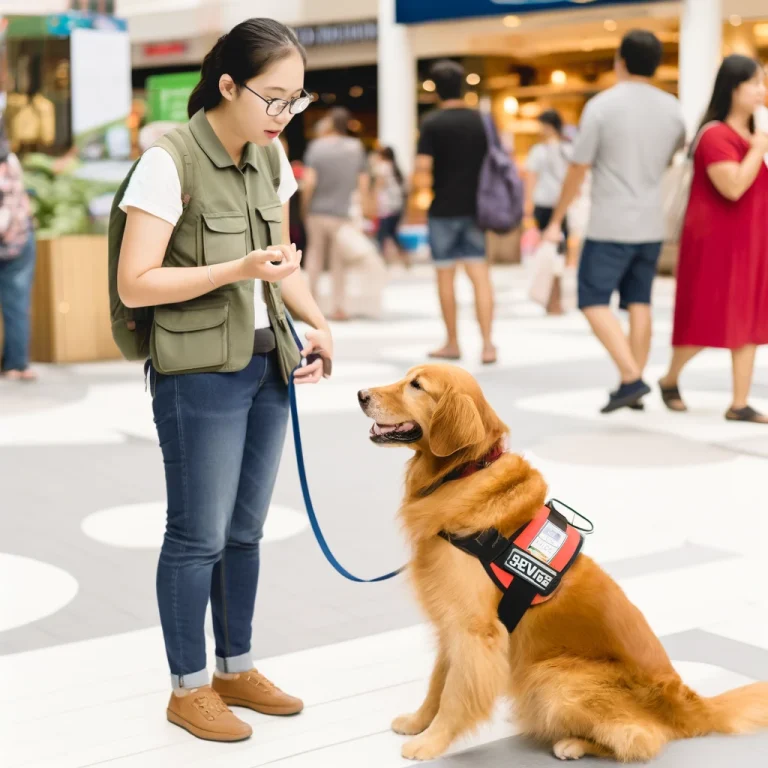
x,y
276,107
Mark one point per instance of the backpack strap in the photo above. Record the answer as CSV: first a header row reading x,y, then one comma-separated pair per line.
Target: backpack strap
x,y
490,130
176,146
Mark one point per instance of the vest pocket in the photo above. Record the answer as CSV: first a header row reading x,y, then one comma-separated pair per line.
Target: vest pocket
x,y
224,237
272,214
191,339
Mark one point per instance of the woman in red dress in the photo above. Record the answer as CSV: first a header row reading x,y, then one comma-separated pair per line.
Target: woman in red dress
x,y
722,277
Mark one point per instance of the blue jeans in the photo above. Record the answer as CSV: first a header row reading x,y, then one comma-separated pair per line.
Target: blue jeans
x,y
222,436
16,278
455,239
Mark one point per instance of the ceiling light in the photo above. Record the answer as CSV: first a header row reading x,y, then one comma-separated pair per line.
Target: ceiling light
x,y
512,21
511,105
559,77
471,98
735,20
428,86
473,78
761,29
610,25
355,91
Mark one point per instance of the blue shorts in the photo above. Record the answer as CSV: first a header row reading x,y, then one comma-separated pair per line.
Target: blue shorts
x,y
455,238
628,268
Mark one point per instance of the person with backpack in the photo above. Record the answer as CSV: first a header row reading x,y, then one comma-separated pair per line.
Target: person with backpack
x,y
201,227
452,149
628,137
17,267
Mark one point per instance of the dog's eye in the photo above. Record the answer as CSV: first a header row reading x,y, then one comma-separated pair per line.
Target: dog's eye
x,y
415,384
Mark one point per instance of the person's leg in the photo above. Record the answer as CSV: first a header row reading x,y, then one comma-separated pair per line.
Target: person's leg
x,y
443,233
681,356
201,422
236,575
317,249
743,369
338,271
16,278
636,289
476,265
601,270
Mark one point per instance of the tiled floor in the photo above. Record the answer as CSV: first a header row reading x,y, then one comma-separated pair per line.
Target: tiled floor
x,y
678,502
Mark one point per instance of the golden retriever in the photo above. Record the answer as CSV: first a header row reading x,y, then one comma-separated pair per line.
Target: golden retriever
x,y
585,671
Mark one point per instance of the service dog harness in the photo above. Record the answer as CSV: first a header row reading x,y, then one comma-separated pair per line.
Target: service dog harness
x,y
528,566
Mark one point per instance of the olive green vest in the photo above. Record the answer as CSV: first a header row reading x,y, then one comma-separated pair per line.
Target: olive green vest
x,y
227,212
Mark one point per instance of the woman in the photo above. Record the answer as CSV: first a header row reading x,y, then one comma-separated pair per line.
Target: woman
x,y
221,425
389,192
547,165
17,267
722,279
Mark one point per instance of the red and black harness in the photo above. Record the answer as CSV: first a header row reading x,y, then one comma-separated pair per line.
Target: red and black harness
x,y
529,565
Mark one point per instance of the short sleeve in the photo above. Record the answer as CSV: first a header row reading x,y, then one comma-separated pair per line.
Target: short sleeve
x,y
288,184
363,160
426,141
719,144
588,138
535,157
155,187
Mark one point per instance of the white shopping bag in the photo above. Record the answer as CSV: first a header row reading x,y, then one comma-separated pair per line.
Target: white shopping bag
x,y
547,264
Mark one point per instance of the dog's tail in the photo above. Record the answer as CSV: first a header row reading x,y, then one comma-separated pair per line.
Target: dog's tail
x,y
742,710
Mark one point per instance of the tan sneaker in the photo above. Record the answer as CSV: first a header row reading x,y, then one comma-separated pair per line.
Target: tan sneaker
x,y
205,715
253,690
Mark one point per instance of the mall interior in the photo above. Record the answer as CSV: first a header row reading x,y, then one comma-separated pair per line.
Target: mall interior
x,y
677,499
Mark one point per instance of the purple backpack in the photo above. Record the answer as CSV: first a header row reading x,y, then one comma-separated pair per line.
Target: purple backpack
x,y
500,191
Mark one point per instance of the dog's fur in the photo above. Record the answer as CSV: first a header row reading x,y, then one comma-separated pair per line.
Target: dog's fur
x,y
584,669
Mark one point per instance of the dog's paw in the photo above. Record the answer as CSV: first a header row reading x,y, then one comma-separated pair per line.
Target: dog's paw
x,y
424,747
409,725
570,749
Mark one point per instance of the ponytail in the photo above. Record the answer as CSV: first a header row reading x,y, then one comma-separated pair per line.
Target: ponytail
x,y
244,53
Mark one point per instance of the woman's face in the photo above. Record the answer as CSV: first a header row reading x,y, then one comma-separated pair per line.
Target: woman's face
x,y
547,131
750,94
284,80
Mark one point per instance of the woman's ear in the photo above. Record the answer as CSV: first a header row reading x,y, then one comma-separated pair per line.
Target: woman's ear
x,y
456,424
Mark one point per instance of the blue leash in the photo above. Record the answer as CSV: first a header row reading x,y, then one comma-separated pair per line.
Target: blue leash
x,y
305,485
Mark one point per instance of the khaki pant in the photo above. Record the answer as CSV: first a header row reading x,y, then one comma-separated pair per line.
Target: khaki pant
x,y
321,249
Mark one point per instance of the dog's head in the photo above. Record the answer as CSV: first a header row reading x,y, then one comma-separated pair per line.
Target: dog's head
x,y
439,409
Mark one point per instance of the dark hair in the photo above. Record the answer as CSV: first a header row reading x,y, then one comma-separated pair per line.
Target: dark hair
x,y
389,154
449,79
735,70
340,117
245,52
551,117
641,52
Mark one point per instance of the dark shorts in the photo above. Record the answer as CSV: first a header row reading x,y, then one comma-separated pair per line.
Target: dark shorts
x,y
456,238
628,268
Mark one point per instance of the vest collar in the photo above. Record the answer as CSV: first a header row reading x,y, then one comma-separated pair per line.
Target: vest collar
x,y
209,142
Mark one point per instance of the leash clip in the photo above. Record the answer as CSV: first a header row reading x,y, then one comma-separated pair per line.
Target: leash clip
x,y
585,531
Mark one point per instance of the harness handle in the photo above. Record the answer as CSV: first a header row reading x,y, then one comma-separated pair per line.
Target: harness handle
x,y
585,531
313,521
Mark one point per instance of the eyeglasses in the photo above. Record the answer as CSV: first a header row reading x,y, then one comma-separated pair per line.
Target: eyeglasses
x,y
276,107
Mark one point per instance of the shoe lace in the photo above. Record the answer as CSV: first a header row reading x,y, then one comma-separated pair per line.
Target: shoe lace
x,y
210,705
256,678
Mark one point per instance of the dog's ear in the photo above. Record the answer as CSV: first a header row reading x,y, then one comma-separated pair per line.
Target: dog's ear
x,y
456,424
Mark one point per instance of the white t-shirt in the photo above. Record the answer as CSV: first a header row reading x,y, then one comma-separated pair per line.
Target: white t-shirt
x,y
155,187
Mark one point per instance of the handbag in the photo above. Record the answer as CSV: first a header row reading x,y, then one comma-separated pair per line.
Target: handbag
x,y
547,265
676,188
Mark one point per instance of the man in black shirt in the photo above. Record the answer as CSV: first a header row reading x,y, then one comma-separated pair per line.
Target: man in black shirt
x,y
452,147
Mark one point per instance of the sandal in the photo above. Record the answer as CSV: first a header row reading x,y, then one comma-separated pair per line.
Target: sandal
x,y
672,399
748,414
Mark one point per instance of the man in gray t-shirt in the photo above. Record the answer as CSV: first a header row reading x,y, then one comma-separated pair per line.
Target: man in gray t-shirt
x,y
336,166
627,137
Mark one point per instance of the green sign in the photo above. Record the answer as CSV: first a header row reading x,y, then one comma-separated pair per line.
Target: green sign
x,y
167,96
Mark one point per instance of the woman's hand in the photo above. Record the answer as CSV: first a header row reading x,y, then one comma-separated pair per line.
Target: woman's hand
x,y
271,265
319,342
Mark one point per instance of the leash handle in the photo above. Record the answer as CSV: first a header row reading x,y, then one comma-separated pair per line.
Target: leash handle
x,y
313,521
585,531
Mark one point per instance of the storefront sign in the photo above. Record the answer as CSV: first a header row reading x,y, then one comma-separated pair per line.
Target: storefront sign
x,y
61,24
417,11
338,34
167,96
173,48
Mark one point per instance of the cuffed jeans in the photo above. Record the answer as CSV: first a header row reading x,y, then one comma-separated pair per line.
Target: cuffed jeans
x,y
16,278
222,436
